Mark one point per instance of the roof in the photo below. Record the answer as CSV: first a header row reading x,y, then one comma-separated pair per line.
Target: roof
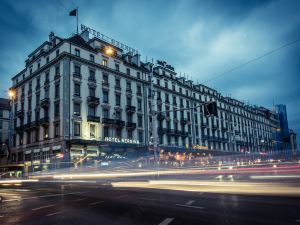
x,y
4,103
78,40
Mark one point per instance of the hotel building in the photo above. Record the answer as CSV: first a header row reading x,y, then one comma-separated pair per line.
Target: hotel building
x,y
89,96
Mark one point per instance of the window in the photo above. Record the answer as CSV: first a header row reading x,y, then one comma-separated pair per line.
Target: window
x,y
138,75
106,113
128,100
158,82
56,90
76,129
77,89
1,124
46,132
105,79
140,121
92,75
56,130
57,52
105,132
105,96
92,130
77,52
77,109
139,104
56,109
77,69
92,58
166,84
129,134
118,83
104,62
1,113
39,66
117,66
139,89
47,59
141,136
128,85
29,105
57,70
118,133
92,110
128,71
173,87
118,99
92,91
118,115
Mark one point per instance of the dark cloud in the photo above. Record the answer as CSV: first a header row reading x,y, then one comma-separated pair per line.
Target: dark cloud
x,y
200,38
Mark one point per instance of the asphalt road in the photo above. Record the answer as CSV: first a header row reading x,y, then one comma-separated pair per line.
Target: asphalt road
x,y
90,203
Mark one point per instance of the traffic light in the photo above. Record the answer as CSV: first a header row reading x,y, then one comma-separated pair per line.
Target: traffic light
x,y
210,109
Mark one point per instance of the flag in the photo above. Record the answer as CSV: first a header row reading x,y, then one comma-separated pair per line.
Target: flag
x,y
73,12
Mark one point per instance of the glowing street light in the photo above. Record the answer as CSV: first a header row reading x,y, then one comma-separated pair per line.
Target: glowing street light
x,y
109,51
11,94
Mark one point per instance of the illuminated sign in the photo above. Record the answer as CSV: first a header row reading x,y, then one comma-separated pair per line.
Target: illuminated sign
x,y
200,147
121,140
108,39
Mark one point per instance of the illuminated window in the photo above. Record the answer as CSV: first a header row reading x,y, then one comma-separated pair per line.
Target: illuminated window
x,y
104,62
92,130
76,129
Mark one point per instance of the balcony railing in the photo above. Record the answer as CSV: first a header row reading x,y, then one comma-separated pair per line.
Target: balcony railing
x,y
162,130
131,125
92,100
95,119
45,102
20,113
44,121
77,75
183,121
105,83
160,116
130,108
113,122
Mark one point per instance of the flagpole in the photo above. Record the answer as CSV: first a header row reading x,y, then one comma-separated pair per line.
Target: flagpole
x,y
77,18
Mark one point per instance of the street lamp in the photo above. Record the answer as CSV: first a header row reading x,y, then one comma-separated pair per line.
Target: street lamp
x,y
109,50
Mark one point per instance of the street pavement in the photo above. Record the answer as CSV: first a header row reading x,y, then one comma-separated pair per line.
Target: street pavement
x,y
90,202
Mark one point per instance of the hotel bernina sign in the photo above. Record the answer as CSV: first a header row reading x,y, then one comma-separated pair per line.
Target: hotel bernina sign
x,y
121,140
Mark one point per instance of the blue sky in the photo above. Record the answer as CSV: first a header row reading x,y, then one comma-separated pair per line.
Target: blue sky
x,y
199,38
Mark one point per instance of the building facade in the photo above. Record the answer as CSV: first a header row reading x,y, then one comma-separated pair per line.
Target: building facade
x,y
4,130
83,96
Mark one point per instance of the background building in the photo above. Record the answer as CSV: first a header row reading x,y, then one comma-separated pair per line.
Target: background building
x,y
4,130
90,96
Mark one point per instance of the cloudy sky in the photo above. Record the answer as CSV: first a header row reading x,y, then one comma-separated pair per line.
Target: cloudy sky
x,y
199,38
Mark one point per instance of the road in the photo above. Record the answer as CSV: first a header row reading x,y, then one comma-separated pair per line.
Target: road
x,y
89,203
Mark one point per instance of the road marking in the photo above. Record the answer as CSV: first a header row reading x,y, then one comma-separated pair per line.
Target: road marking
x,y
190,202
43,207
96,203
80,199
1,216
44,196
166,221
200,193
190,206
52,214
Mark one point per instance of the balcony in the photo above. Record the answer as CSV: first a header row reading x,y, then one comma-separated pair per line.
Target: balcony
x,y
92,80
184,133
139,93
131,125
203,124
183,121
93,101
37,87
44,121
116,122
77,75
130,108
214,126
95,119
170,131
162,130
128,90
160,116
57,76
20,113
45,102
105,83
177,132
118,87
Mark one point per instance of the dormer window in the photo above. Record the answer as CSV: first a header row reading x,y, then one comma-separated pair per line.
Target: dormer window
x,y
92,58
104,62
77,52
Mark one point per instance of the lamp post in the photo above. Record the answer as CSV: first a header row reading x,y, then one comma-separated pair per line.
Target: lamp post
x,y
12,96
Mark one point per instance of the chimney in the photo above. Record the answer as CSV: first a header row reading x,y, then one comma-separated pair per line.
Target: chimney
x,y
51,36
85,35
136,59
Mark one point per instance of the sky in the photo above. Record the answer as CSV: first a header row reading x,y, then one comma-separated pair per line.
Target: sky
x,y
201,39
